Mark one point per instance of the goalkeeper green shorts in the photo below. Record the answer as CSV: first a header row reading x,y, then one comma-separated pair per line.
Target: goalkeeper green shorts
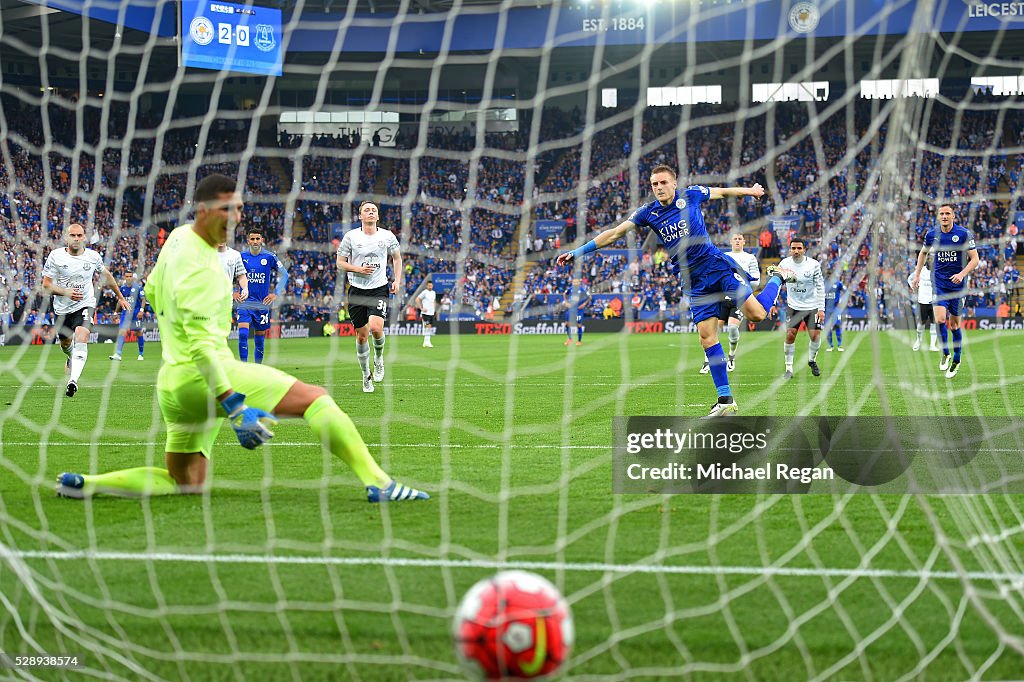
x,y
193,416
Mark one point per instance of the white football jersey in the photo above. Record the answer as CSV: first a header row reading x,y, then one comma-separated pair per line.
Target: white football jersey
x,y
924,288
368,249
73,272
428,300
231,261
748,262
808,291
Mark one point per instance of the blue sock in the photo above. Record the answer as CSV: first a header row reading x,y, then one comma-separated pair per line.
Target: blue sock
x,y
579,333
142,342
942,337
716,359
770,292
839,336
958,338
243,344
259,349
120,344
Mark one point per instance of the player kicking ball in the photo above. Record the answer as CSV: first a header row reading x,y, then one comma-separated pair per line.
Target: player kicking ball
x,y
201,383
68,275
806,299
705,273
954,257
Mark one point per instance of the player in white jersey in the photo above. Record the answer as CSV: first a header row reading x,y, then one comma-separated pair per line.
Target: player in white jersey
x,y
68,274
364,254
806,304
427,303
925,314
234,269
729,317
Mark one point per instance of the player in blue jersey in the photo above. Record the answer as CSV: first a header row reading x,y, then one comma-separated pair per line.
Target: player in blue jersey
x,y
255,310
955,257
834,309
705,273
576,301
131,318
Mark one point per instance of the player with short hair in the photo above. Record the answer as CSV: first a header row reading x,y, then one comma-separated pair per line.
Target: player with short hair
x,y
363,254
254,311
68,275
234,270
201,383
729,317
576,301
705,273
948,246
834,307
427,303
805,304
132,318
925,313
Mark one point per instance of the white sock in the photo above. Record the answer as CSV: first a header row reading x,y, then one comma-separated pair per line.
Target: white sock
x,y
789,349
734,338
933,329
78,357
363,355
378,346
812,349
920,332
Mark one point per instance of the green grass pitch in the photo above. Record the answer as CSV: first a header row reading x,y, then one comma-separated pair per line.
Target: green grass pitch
x,y
511,437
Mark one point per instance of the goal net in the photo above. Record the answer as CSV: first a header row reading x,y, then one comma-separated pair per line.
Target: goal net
x,y
493,136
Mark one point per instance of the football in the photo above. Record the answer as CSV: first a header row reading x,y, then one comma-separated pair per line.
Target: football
x,y
513,626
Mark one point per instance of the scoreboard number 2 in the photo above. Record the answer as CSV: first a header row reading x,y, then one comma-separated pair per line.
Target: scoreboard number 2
x,y
225,31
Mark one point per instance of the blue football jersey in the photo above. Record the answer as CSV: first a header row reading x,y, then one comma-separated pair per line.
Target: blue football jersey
x,y
135,296
949,251
577,298
834,294
681,228
258,268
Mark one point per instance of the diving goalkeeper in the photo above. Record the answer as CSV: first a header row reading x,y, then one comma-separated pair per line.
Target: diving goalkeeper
x,y
201,383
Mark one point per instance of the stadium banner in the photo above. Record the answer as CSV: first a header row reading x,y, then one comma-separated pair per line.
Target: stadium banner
x,y
548,228
443,282
783,224
587,24
816,455
102,333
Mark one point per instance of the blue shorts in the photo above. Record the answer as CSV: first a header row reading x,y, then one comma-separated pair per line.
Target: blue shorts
x,y
129,321
711,283
257,318
950,299
571,315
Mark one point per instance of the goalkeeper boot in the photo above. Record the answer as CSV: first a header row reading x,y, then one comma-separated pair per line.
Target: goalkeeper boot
x,y
71,485
724,407
378,369
395,492
785,274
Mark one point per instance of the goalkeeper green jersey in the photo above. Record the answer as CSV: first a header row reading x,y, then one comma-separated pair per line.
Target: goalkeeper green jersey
x,y
191,297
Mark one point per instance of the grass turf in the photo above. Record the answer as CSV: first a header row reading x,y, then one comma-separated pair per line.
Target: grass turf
x,y
511,436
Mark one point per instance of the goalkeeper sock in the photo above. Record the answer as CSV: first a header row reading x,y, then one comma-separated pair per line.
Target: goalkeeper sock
x,y
259,339
138,482
958,337
716,359
942,337
378,345
243,344
338,434
78,357
363,356
770,292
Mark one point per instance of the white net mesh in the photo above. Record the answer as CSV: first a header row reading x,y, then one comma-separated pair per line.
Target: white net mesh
x,y
281,570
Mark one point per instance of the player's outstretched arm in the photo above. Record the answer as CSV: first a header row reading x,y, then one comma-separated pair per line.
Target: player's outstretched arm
x,y
249,423
755,190
609,236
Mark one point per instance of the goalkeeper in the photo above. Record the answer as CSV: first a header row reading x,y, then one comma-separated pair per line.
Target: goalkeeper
x,y
201,383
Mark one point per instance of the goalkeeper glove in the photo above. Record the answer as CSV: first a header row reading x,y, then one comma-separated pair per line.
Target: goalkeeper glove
x,y
248,421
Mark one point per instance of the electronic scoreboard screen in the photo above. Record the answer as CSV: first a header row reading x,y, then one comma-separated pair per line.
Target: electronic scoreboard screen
x,y
227,36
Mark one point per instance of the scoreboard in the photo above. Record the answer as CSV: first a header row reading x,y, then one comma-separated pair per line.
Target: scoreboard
x,y
226,36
